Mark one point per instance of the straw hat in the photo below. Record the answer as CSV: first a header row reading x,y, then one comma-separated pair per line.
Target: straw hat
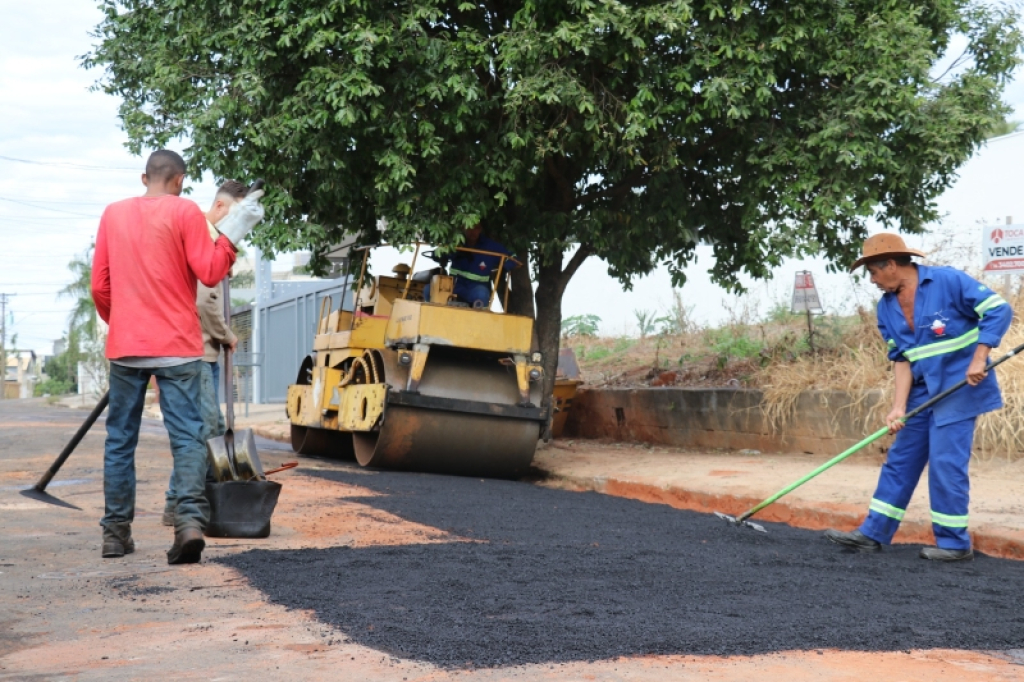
x,y
882,246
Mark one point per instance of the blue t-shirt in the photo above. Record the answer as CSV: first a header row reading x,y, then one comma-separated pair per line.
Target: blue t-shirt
x,y
953,313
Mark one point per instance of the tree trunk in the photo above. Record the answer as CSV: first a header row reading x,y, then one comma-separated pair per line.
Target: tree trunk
x,y
549,321
520,296
551,283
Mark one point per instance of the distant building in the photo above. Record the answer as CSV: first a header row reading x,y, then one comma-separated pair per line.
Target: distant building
x,y
21,374
92,378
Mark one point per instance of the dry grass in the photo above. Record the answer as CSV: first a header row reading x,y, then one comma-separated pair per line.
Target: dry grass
x,y
1000,434
854,362
774,357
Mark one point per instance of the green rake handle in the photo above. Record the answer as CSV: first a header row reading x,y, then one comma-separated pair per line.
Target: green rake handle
x,y
868,441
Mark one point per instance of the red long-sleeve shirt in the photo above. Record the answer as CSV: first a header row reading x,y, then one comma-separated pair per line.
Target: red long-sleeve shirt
x,y
149,253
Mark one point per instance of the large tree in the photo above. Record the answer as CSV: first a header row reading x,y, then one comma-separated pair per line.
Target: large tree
x,y
628,130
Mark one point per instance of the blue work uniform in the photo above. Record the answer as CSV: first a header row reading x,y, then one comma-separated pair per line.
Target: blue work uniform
x,y
953,313
473,271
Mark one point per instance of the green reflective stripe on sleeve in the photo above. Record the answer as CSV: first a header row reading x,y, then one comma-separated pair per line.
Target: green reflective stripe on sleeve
x,y
993,301
469,275
886,509
942,347
949,521
891,344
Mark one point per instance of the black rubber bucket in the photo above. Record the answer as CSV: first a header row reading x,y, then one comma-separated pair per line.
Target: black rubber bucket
x,y
241,509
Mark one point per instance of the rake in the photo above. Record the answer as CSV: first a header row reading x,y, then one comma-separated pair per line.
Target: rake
x,y
743,519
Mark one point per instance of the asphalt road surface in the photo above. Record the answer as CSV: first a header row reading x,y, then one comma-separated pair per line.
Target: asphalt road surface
x,y
536,575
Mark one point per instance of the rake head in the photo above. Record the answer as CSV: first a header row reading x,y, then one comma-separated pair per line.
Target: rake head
x,y
741,522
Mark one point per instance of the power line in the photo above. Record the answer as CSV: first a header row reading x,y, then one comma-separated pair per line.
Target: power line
x,y
36,218
14,284
47,208
57,201
64,164
48,292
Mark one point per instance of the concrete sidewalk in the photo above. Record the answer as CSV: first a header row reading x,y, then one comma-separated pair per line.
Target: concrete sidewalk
x,y
732,482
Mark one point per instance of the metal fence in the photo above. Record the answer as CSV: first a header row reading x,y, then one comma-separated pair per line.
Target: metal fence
x,y
276,336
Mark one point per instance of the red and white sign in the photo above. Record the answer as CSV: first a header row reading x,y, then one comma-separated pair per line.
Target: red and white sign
x,y
1002,249
805,294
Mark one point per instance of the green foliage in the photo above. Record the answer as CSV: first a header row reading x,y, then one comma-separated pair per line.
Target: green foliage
x,y
780,313
83,321
623,344
634,130
1003,127
729,343
645,322
580,325
62,369
244,280
53,387
631,131
599,353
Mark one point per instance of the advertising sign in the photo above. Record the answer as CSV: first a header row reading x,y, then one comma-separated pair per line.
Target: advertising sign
x,y
805,294
1002,248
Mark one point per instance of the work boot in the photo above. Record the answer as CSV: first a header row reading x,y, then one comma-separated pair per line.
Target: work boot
x,y
188,546
168,517
117,540
939,554
854,540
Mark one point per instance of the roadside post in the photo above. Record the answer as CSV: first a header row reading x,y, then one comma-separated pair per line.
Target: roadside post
x,y
806,299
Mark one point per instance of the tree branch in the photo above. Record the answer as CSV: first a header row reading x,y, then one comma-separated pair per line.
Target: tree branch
x,y
582,253
560,180
634,179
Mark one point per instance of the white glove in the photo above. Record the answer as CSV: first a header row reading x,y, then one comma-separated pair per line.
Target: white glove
x,y
243,216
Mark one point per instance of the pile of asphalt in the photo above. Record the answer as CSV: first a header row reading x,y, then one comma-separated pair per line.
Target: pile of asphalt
x,y
555,576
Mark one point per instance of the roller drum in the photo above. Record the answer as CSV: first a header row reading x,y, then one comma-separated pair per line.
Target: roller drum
x,y
452,442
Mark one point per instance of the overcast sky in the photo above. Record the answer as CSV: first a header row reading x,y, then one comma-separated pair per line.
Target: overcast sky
x,y
62,159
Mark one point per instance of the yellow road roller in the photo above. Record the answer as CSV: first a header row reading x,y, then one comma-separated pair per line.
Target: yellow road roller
x,y
412,378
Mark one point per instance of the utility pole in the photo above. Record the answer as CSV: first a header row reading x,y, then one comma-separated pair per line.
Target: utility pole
x,y
3,344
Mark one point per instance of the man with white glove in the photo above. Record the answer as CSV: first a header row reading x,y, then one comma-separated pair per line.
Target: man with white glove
x,y
242,217
150,305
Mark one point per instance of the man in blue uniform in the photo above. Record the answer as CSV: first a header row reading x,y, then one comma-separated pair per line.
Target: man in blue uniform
x,y
473,271
939,325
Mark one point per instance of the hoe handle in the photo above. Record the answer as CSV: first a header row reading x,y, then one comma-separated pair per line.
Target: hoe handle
x,y
73,443
870,439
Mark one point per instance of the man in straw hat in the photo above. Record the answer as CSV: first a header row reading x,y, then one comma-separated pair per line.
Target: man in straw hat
x,y
939,325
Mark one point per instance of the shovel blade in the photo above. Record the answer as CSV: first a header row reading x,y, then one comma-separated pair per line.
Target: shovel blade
x,y
219,456
736,522
247,461
43,496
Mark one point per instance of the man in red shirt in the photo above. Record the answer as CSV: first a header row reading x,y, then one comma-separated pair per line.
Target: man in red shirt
x,y
150,250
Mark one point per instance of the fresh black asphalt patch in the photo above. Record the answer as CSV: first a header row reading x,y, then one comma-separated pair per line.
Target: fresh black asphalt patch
x,y
558,576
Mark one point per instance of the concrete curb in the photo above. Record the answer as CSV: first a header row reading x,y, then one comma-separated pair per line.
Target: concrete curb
x,y
281,434
997,542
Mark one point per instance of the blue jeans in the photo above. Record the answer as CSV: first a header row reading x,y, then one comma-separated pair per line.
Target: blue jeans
x,y
209,412
215,368
179,401
474,293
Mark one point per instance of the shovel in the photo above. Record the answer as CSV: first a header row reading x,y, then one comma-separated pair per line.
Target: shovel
x,y
742,519
232,456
